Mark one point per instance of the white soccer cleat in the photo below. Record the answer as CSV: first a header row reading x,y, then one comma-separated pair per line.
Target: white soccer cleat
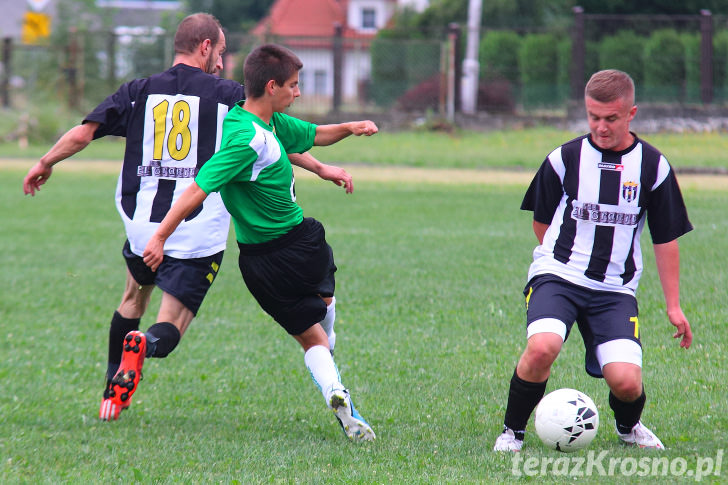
x,y
507,441
642,437
354,426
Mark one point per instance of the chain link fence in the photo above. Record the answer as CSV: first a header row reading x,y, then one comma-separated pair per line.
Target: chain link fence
x,y
520,72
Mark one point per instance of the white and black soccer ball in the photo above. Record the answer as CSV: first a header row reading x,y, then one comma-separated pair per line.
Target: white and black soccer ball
x,y
566,420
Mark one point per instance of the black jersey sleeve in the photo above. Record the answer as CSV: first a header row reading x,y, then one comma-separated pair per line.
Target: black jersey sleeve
x,y
114,112
544,194
667,216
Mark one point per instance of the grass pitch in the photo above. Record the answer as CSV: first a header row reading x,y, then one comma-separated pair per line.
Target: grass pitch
x,y
430,323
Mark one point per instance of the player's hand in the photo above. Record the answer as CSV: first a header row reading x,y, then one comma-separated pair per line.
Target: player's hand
x,y
366,128
677,318
154,253
337,175
37,176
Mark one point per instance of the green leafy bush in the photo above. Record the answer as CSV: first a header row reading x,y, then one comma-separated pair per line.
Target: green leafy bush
x,y
537,61
623,51
499,56
665,73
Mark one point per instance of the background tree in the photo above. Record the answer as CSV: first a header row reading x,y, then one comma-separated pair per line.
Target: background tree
x,y
234,15
668,7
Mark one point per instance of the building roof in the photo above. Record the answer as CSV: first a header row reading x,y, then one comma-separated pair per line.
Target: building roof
x,y
307,18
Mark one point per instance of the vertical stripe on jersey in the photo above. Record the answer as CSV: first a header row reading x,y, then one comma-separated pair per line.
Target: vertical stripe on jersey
x,y
207,141
570,154
130,181
630,266
162,200
609,189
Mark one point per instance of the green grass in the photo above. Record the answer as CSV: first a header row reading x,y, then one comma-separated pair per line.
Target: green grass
x,y
430,325
518,149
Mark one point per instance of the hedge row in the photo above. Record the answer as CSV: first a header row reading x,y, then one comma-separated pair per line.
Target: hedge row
x,y
665,65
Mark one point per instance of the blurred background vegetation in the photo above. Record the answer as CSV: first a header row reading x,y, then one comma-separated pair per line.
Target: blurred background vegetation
x,y
525,57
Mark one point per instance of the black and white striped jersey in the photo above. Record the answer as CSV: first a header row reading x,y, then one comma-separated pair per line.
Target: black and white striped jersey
x,y
172,122
596,203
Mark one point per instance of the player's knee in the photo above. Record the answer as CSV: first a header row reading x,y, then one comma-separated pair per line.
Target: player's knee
x,y
162,338
539,358
627,390
542,352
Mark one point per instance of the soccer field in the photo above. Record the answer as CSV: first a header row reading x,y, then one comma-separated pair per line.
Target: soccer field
x,y
430,323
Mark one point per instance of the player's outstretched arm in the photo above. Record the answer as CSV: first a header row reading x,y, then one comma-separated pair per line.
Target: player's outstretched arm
x,y
330,134
187,202
337,175
667,259
72,142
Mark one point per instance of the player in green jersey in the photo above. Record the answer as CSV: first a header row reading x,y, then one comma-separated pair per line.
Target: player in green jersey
x,y
285,260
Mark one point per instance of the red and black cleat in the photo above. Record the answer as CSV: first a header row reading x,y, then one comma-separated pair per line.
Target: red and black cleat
x,y
126,380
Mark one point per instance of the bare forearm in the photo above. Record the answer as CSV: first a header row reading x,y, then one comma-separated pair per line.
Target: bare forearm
x,y
72,142
667,260
187,202
306,161
330,134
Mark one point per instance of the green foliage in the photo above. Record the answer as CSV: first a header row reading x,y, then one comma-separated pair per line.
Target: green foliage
x,y
720,65
388,71
665,73
398,65
537,61
516,14
692,66
591,63
440,13
526,14
234,15
499,55
623,51
661,7
563,71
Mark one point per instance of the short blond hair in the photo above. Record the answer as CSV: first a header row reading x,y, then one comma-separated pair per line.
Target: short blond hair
x,y
609,85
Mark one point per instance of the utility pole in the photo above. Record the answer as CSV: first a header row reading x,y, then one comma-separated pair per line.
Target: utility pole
x,y
471,65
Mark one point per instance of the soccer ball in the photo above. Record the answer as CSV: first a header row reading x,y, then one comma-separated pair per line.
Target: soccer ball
x,y
566,420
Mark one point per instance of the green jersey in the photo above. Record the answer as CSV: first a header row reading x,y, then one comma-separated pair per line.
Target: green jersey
x,y
253,174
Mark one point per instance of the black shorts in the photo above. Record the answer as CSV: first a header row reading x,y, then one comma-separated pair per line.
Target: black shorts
x,y
602,317
188,280
289,275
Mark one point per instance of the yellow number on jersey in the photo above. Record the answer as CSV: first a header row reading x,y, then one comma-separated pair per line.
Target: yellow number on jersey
x,y
180,129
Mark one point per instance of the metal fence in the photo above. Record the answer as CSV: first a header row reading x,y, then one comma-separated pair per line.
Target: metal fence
x,y
673,59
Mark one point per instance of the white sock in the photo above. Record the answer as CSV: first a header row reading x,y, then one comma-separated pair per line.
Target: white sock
x,y
323,370
328,323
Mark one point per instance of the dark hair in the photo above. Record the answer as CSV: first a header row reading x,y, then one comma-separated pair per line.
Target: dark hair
x,y
193,30
609,85
266,62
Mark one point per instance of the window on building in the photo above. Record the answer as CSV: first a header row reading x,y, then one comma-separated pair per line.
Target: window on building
x,y
368,18
319,81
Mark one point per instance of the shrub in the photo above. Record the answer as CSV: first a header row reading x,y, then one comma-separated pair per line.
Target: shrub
x,y
720,65
665,73
692,66
623,51
398,65
499,56
495,96
537,61
424,96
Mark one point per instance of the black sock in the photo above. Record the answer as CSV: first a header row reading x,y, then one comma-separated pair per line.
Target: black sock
x,y
162,338
523,397
120,326
627,414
